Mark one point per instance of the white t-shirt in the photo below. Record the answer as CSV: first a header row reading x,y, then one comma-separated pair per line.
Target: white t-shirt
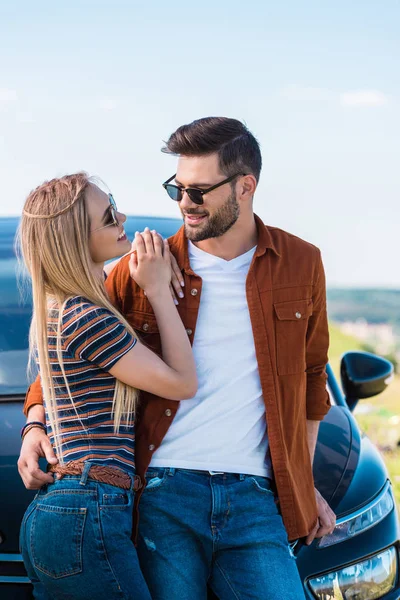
x,y
223,428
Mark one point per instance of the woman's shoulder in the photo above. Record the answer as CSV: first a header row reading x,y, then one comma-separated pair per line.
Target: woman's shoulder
x,y
81,311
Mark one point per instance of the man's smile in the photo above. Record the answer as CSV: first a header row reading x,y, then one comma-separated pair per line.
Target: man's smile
x,y
194,219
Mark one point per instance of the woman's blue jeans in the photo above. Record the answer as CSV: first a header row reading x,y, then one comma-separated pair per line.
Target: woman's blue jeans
x,y
75,542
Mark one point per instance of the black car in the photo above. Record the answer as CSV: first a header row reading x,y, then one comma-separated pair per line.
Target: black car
x,y
358,561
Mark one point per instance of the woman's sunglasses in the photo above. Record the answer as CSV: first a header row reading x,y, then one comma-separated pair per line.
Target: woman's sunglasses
x,y
110,216
195,194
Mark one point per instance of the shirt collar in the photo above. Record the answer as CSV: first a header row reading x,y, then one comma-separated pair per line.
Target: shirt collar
x,y
179,245
265,240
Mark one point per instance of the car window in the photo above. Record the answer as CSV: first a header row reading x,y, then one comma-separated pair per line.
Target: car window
x,y
15,314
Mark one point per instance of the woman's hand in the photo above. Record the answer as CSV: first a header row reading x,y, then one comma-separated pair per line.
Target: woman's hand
x,y
150,265
177,281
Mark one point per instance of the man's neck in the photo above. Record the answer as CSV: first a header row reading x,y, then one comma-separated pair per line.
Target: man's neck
x,y
238,240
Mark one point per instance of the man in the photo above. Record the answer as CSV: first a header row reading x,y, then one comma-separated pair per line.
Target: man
x,y
229,473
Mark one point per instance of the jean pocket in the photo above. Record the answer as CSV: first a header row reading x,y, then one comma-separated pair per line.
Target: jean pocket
x,y
56,539
155,478
262,484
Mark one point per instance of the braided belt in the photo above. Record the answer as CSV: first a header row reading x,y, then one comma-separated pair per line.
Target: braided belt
x,y
103,474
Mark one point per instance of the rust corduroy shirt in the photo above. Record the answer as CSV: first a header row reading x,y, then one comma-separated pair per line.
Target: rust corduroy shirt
x,y
286,296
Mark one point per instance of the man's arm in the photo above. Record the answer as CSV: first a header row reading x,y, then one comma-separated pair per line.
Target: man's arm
x,y
312,435
317,397
326,517
33,396
317,344
35,445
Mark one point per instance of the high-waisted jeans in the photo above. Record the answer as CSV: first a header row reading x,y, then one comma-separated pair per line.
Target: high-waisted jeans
x,y
75,542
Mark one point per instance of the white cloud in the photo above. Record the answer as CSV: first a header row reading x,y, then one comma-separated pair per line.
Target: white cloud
x,y
108,103
7,97
352,98
363,98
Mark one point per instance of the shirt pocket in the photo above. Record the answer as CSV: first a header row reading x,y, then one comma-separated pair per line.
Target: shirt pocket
x,y
146,327
291,331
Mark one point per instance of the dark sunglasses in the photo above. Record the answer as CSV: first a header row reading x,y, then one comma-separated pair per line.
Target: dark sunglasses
x,y
196,195
111,216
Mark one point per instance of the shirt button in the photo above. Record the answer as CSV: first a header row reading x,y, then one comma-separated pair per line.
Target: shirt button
x,y
194,292
145,326
151,447
168,412
298,315
189,331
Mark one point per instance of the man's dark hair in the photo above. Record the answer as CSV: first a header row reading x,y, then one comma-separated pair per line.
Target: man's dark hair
x,y
236,146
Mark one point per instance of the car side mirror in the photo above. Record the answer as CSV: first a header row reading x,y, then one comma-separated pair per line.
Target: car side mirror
x,y
364,375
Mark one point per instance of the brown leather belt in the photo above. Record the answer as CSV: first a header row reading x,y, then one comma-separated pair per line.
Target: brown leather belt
x,y
103,474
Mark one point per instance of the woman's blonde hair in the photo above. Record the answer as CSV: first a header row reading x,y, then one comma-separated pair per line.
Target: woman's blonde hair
x,y
53,239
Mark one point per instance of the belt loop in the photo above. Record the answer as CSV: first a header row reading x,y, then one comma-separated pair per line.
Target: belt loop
x,y
171,472
242,477
85,473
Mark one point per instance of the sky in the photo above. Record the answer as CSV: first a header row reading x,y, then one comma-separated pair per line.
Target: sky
x,y
98,85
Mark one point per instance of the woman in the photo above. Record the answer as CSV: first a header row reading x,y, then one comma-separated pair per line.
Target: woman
x,y
75,535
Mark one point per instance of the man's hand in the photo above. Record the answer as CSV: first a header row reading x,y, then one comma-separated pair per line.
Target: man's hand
x,y
36,445
177,281
326,519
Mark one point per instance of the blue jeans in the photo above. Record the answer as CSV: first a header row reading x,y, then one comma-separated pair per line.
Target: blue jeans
x,y
224,530
75,542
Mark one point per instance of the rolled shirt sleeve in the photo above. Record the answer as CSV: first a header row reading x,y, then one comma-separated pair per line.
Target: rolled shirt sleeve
x,y
317,344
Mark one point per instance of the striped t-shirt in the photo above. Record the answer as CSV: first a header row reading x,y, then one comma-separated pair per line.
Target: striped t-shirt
x,y
93,340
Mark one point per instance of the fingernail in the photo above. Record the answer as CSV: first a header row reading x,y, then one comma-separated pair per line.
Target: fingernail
x,y
180,294
136,233
182,283
176,301
153,231
146,229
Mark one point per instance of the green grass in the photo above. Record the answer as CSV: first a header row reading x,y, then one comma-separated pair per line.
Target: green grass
x,y
382,422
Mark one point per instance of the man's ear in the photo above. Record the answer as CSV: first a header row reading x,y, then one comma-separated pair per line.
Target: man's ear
x,y
248,185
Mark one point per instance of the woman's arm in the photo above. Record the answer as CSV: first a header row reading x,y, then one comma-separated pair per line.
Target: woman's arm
x,y
173,376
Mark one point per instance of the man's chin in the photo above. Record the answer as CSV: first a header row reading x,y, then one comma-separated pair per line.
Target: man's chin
x,y
195,233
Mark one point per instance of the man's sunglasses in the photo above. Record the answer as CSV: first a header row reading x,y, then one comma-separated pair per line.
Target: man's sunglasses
x,y
110,216
195,194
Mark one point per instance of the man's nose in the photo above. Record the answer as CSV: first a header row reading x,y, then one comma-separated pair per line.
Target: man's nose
x,y
186,202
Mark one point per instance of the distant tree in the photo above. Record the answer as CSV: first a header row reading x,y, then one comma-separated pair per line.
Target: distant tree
x,y
368,348
393,359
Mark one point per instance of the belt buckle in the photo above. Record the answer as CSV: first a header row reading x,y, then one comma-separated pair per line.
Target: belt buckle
x,y
216,473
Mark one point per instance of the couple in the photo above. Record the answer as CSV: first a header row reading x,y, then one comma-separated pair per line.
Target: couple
x,y
149,497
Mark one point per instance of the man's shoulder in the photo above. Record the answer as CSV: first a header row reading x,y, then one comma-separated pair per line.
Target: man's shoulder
x,y
123,264
287,243
177,241
119,282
